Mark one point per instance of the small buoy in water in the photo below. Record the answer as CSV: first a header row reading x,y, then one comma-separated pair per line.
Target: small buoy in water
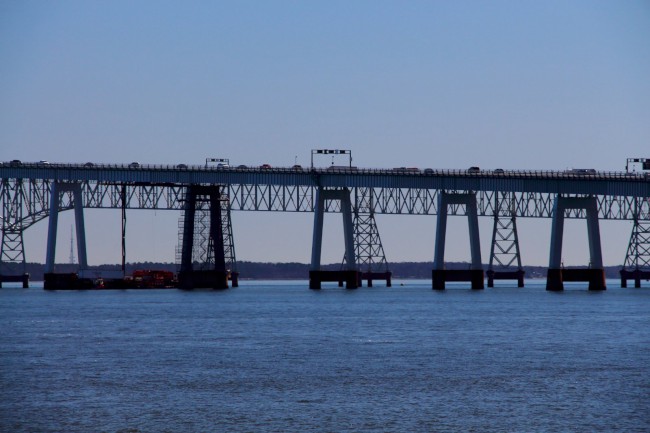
x,y
401,284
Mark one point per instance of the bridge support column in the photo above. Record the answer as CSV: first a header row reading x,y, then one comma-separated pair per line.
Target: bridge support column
x,y
53,281
439,274
216,276
350,274
595,274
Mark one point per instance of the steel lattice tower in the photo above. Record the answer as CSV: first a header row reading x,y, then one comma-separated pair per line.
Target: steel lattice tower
x,y
505,242
12,251
504,250
638,250
368,248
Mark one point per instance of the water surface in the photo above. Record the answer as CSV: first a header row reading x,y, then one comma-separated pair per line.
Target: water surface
x,y
276,357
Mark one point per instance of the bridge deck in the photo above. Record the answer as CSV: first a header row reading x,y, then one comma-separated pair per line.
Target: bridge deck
x,y
548,181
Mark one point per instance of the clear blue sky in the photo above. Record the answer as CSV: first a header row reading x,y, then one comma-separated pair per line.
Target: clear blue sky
x,y
512,84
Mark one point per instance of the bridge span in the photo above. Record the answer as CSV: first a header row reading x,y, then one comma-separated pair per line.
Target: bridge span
x,y
206,195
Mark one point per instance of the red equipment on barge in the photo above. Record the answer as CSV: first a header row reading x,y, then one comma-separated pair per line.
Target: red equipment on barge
x,y
151,279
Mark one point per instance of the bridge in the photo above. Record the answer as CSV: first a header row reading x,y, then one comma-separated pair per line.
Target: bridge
x,y
208,194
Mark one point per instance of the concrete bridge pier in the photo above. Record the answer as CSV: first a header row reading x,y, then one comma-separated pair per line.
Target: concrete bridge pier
x,y
439,274
350,274
24,279
216,277
52,280
595,274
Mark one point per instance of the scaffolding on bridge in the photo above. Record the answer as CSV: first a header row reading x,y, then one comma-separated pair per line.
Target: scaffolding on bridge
x,y
205,241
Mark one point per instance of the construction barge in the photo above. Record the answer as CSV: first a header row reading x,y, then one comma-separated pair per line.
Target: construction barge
x,y
99,280
139,279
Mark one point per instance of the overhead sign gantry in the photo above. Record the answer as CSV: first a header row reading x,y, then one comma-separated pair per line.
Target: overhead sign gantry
x,y
333,153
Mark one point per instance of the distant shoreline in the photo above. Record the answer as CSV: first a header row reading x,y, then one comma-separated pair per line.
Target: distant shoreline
x,y
286,271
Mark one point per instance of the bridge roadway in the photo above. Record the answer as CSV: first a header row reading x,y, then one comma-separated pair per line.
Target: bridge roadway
x,y
26,188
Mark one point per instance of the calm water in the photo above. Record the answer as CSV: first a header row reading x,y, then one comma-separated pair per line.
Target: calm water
x,y
277,357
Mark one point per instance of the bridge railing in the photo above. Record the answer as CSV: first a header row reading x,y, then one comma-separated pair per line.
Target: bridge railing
x,y
401,171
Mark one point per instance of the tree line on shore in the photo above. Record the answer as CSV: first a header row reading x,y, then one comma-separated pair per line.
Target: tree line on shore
x,y
286,271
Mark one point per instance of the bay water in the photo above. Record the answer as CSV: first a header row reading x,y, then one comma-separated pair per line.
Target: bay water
x,y
274,356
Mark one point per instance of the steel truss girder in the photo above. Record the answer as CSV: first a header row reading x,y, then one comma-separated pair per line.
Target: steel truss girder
x,y
32,197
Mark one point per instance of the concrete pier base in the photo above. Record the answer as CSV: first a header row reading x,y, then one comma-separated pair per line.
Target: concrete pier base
x,y
505,275
637,275
67,281
555,278
210,279
352,279
474,276
24,278
370,276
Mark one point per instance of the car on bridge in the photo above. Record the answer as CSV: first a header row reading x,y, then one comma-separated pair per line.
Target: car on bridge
x,y
341,168
582,171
